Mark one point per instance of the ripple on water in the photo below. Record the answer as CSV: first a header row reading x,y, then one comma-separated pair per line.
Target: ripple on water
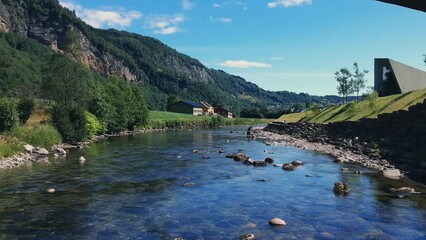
x,y
133,188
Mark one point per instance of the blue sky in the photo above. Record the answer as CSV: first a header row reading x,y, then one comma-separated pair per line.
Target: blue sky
x,y
293,45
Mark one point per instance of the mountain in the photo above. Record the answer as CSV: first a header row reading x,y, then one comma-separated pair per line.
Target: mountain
x,y
160,70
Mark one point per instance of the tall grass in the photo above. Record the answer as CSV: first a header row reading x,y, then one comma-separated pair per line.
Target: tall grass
x,y
10,146
199,122
42,135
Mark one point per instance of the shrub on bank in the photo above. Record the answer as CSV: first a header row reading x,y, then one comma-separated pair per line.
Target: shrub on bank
x,y
94,126
42,135
10,146
8,114
25,107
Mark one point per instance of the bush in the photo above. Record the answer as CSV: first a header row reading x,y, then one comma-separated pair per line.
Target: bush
x,y
371,99
8,114
43,135
94,126
10,146
70,122
25,108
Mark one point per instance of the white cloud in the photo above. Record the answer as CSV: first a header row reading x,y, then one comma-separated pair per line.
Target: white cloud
x,y
100,18
216,5
277,58
223,20
288,3
165,24
187,5
244,64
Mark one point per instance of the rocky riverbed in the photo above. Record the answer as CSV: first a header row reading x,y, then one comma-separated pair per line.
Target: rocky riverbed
x,y
343,151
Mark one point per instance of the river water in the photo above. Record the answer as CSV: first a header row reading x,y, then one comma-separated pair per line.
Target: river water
x,y
134,188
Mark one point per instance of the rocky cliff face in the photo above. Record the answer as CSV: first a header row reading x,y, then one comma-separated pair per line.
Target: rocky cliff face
x,y
51,31
193,72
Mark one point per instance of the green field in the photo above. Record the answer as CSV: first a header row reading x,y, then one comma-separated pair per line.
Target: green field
x,y
161,120
356,111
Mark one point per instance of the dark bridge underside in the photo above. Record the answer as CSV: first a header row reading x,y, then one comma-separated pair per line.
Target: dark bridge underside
x,y
413,4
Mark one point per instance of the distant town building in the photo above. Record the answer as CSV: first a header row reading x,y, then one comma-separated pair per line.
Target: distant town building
x,y
392,77
223,112
187,107
207,109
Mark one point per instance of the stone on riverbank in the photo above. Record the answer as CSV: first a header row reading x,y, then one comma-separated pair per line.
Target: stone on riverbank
x,y
277,222
42,151
392,174
29,148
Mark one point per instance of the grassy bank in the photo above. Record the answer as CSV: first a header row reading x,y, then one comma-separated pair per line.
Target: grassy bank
x,y
42,135
355,111
162,120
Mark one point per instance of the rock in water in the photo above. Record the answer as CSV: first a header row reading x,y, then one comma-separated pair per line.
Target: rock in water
x,y
82,159
247,237
269,160
288,167
298,163
259,163
404,190
277,222
50,190
341,188
221,151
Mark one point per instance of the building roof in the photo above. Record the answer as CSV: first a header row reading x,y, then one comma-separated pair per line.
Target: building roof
x,y
413,4
407,77
193,104
206,104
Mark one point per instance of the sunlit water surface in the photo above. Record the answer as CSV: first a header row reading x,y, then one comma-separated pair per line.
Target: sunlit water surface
x,y
133,188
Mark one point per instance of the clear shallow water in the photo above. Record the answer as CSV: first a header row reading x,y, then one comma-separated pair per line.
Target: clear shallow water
x,y
132,188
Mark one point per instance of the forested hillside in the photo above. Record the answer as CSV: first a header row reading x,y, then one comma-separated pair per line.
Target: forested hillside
x,y
160,70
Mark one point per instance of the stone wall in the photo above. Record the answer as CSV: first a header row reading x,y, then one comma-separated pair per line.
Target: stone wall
x,y
399,137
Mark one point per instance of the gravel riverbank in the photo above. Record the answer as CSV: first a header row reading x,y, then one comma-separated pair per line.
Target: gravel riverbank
x,y
341,153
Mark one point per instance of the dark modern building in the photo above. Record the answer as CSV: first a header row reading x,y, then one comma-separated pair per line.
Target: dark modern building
x,y
413,4
223,112
392,77
187,107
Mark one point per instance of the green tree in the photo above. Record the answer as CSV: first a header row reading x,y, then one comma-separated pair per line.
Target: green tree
x,y
66,82
345,85
358,80
25,108
172,99
8,114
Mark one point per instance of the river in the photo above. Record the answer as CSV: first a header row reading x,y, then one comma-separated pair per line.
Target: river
x,y
134,188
